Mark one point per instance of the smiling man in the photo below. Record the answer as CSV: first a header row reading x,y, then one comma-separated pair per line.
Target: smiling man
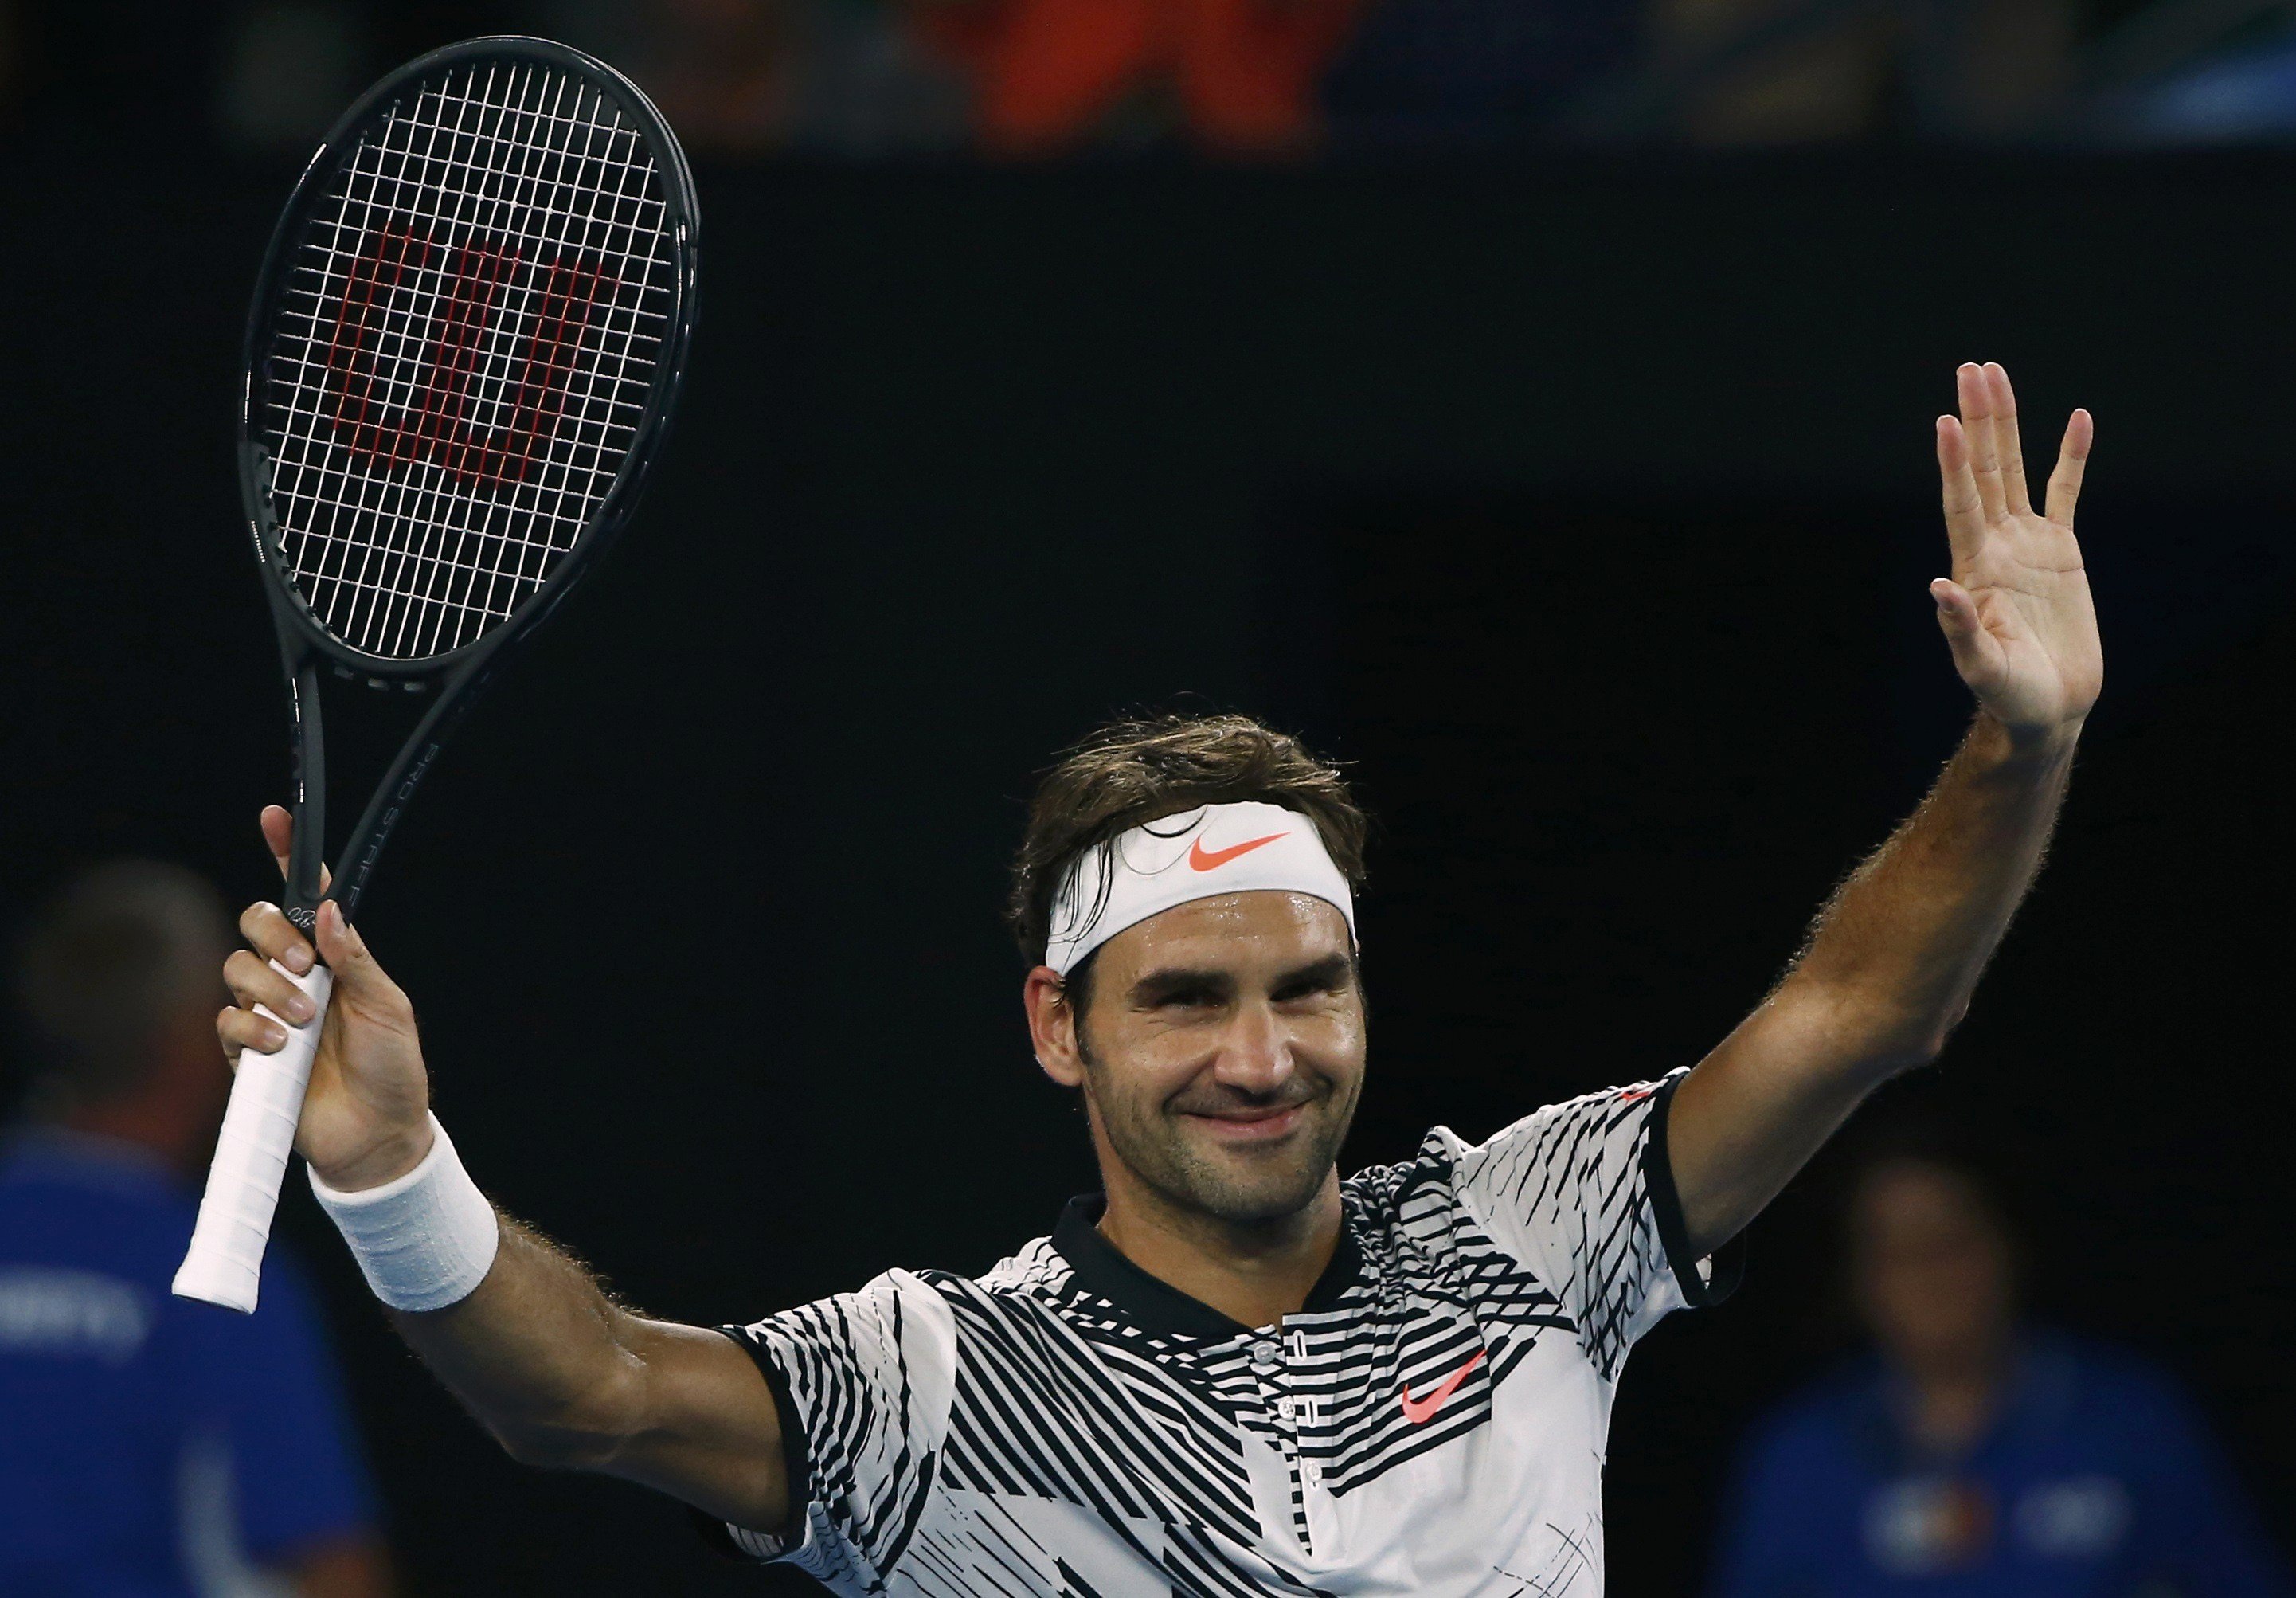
x,y
1236,1372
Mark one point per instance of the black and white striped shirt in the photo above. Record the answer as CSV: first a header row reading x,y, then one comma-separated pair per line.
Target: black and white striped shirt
x,y
1432,1420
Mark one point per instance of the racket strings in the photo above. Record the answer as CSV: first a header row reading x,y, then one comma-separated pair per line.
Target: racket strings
x,y
465,348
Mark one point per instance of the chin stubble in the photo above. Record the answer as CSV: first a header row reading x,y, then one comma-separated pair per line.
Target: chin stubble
x,y
1159,1151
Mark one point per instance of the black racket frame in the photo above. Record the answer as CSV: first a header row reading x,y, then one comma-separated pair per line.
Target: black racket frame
x,y
307,650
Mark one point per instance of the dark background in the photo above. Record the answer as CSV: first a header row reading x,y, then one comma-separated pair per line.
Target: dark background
x,y
1582,498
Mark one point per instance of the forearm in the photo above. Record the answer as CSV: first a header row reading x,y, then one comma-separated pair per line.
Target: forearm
x,y
562,1376
538,1353
1895,955
518,1329
1887,973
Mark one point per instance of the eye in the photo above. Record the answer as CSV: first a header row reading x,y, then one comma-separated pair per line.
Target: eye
x,y
1188,998
1316,986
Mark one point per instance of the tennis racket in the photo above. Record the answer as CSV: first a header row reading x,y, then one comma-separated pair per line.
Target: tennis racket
x,y
466,340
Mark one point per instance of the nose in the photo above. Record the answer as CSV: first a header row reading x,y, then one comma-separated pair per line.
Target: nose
x,y
1254,1057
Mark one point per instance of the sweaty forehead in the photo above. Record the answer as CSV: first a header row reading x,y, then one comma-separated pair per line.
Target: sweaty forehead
x,y
1230,931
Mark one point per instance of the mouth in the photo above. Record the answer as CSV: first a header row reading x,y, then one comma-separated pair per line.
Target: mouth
x,y
1255,1125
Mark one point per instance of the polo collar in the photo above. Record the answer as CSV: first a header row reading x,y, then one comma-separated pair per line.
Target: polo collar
x,y
1158,1307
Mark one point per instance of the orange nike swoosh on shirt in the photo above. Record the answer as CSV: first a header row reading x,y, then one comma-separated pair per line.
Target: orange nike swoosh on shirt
x,y
1211,859
1420,1410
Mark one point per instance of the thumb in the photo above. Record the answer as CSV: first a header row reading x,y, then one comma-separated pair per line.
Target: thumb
x,y
1976,653
345,951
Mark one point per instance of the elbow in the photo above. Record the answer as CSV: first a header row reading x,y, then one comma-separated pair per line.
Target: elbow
x,y
1929,1042
585,1432
1916,1054
1878,1040
1915,1045
548,1446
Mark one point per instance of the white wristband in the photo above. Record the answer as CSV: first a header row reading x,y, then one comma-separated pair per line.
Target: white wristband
x,y
425,1239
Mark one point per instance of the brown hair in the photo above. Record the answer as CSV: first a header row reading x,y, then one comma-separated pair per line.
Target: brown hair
x,y
1137,771
113,956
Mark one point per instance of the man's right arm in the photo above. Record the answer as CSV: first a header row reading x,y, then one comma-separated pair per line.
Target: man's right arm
x,y
562,1376
560,1373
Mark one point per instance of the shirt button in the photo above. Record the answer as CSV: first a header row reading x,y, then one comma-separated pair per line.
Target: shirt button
x,y
1265,1355
1283,1408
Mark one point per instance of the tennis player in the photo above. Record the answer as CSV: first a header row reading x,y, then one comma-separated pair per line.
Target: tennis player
x,y
1235,1373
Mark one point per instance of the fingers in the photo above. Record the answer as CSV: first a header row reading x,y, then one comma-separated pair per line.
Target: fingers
x,y
2072,462
279,837
1975,394
254,980
237,1029
1965,510
278,833
271,935
2005,442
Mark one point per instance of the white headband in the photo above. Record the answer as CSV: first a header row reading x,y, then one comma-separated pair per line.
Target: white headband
x,y
1196,854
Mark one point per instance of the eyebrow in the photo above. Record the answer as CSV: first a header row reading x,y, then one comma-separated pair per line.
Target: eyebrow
x,y
1326,972
1164,984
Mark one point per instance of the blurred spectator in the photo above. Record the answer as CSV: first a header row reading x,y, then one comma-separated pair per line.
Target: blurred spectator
x,y
1472,72
2245,95
841,76
1775,71
1972,1455
723,72
1238,76
149,1444
1780,71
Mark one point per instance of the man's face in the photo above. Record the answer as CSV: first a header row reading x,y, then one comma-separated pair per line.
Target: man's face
x,y
1933,1269
1222,1053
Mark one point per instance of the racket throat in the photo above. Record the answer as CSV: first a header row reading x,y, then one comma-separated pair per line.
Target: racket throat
x,y
306,856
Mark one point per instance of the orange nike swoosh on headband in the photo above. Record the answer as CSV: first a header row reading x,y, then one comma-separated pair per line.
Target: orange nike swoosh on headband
x,y
1211,859
1420,1410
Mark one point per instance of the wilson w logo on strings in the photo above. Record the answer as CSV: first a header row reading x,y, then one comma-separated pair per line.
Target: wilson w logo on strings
x,y
459,357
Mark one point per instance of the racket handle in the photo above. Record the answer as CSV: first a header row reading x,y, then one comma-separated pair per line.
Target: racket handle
x,y
225,1262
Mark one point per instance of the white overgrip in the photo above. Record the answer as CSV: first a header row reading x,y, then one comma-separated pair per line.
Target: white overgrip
x,y
225,1262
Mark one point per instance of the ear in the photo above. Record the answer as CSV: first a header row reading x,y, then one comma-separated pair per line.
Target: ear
x,y
1051,1027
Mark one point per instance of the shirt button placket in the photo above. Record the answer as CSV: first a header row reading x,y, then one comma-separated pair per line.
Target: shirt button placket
x,y
1303,1414
1267,1365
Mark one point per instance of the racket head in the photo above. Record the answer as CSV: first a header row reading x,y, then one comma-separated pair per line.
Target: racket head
x,y
465,346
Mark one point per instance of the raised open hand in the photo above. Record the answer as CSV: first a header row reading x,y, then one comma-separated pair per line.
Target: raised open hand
x,y
2016,609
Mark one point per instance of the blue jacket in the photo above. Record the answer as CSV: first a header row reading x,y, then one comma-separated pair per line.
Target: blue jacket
x,y
2097,1481
149,1445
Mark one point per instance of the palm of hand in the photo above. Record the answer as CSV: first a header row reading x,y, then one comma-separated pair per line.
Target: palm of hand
x,y
368,1081
2017,610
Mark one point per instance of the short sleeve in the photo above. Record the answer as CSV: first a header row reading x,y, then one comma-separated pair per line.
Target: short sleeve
x,y
1583,1194
295,1467
864,1382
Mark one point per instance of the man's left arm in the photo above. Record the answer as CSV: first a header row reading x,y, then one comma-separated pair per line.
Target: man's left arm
x,y
1896,953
